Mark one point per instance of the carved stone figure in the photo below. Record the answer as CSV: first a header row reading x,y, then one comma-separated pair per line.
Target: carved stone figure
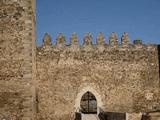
x,y
100,38
88,39
113,39
47,39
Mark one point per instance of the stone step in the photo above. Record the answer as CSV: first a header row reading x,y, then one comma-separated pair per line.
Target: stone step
x,y
154,116
89,117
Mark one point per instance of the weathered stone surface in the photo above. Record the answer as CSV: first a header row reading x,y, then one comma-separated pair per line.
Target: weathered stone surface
x,y
126,79
134,116
154,115
16,47
47,82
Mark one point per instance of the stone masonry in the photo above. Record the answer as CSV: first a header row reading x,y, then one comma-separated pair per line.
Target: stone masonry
x,y
17,59
47,82
124,77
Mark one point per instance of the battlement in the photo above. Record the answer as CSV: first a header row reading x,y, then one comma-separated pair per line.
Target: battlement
x,y
88,40
100,46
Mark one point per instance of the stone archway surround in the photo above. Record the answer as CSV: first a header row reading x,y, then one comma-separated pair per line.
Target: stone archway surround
x,y
82,90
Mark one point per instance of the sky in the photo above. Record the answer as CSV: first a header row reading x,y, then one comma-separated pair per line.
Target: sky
x,y
140,18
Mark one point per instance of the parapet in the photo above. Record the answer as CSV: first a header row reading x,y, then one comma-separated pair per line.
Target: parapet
x,y
87,40
87,45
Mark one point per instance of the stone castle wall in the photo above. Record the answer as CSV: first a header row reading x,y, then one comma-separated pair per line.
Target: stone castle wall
x,y
47,82
123,77
17,43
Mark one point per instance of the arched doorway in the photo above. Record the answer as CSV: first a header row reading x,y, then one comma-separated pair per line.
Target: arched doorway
x,y
88,103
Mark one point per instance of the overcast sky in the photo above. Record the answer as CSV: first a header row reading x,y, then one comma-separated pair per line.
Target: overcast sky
x,y
140,18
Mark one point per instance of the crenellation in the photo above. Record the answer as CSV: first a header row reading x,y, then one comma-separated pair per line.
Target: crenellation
x,y
47,40
113,39
100,39
74,39
100,48
87,39
61,40
125,40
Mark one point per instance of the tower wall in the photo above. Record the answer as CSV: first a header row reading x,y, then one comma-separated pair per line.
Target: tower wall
x,y
17,55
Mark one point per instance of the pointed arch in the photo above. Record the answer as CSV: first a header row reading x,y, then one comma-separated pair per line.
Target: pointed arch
x,y
83,91
88,103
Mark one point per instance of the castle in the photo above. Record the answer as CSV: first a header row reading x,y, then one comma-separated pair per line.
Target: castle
x,y
68,81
